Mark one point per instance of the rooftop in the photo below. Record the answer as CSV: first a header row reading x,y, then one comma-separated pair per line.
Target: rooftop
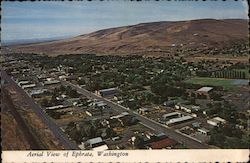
x,y
175,120
167,142
217,120
203,129
95,140
171,114
205,89
106,90
101,148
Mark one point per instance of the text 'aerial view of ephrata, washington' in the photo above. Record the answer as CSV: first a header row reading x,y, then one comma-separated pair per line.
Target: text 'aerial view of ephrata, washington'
x,y
113,75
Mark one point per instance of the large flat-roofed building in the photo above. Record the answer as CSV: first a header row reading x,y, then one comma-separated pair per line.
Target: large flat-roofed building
x,y
216,121
179,120
107,92
95,142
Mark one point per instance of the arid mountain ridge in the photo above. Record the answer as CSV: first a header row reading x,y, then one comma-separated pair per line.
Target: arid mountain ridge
x,y
155,37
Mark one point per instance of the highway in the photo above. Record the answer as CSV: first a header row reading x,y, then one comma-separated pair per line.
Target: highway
x,y
189,142
39,111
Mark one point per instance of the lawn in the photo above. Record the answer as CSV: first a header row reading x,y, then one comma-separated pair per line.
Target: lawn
x,y
226,83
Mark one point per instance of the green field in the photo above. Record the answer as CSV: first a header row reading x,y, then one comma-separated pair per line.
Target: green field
x,y
226,83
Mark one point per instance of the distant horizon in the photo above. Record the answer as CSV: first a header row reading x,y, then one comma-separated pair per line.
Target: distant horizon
x,y
37,40
45,20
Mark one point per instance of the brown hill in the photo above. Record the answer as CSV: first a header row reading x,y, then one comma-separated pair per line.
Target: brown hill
x,y
149,37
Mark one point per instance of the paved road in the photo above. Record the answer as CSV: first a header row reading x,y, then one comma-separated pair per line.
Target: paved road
x,y
39,111
189,142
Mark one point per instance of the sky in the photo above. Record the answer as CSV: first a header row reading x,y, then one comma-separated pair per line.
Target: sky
x,y
30,20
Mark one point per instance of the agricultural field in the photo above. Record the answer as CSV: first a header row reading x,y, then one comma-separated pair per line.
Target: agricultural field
x,y
225,83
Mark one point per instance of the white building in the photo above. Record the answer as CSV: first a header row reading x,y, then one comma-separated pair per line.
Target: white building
x,y
101,148
96,144
20,83
37,91
204,131
204,89
120,115
28,86
216,121
55,107
178,120
143,110
173,114
49,82
107,92
184,108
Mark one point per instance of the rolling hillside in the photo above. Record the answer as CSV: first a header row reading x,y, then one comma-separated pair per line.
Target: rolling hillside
x,y
149,37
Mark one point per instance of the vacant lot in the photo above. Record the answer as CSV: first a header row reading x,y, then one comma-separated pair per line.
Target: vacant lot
x,y
225,83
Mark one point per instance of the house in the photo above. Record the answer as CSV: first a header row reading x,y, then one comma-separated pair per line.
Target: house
x,y
188,108
170,103
36,92
203,131
143,111
216,121
184,108
28,86
62,77
100,104
114,123
120,115
204,91
55,107
95,142
101,148
50,82
42,76
164,143
110,92
73,101
93,112
171,115
179,120
20,83
128,120
196,124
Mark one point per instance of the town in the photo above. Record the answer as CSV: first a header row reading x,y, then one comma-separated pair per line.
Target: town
x,y
136,102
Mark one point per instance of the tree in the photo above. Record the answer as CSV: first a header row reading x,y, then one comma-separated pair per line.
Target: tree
x,y
217,139
44,102
110,132
76,135
138,142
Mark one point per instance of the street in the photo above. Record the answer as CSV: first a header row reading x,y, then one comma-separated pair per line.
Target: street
x,y
190,143
39,111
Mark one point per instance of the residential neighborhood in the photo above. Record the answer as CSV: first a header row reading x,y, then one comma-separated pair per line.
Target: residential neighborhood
x,y
102,107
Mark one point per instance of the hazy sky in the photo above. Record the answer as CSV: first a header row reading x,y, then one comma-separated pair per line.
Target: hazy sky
x,y
28,20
